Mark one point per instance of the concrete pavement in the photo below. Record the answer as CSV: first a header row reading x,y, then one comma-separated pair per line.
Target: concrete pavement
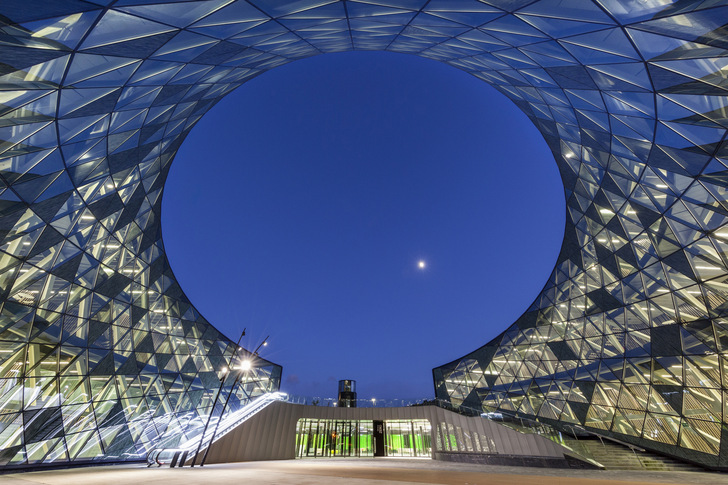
x,y
386,471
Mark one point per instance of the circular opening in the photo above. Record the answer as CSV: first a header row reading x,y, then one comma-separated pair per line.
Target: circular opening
x,y
376,214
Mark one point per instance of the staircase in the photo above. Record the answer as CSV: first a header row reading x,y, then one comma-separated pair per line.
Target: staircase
x,y
614,456
179,455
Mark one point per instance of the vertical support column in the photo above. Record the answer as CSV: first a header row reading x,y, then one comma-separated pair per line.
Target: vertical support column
x,y
378,437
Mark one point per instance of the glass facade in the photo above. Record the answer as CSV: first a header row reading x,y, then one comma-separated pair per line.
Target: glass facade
x,y
319,438
408,438
103,357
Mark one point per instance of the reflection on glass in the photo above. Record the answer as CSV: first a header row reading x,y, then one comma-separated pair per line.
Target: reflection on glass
x,y
316,438
102,357
408,437
330,438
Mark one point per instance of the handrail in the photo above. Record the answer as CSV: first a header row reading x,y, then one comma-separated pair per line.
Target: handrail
x,y
575,429
550,433
179,455
601,436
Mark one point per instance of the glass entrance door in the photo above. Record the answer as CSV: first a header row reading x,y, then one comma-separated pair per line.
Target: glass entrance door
x,y
408,437
351,438
331,438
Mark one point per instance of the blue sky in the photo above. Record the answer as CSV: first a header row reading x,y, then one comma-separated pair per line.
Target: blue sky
x,y
301,204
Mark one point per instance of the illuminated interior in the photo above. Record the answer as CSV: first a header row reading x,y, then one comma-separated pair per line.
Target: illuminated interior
x,y
327,438
103,357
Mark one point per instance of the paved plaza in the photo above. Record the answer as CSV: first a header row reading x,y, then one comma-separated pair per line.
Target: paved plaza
x,y
352,472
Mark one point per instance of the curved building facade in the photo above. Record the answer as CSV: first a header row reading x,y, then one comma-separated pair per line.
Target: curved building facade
x,y
103,357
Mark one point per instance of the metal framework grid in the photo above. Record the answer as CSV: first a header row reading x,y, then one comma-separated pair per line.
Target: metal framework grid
x,y
103,357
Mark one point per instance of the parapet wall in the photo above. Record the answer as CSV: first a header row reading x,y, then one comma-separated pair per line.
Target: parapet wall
x,y
271,435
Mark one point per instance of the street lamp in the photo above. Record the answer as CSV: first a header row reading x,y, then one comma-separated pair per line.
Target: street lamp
x,y
217,397
245,366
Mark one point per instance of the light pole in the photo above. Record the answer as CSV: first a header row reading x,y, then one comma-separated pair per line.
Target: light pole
x,y
245,367
217,397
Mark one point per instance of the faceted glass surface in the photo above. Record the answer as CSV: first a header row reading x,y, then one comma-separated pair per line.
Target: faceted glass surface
x,y
102,357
